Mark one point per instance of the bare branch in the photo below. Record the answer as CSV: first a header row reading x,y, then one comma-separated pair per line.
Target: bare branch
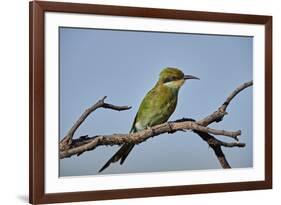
x,y
221,157
215,144
139,137
232,144
70,147
218,115
67,140
234,93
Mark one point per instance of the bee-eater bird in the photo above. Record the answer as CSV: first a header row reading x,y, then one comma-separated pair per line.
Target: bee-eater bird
x,y
156,107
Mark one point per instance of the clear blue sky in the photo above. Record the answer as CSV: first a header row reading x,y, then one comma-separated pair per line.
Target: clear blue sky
x,y
124,65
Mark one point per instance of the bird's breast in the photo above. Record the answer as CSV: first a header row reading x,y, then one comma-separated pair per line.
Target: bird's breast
x,y
156,108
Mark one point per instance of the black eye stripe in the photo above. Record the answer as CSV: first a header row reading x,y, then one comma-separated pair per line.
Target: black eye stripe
x,y
169,79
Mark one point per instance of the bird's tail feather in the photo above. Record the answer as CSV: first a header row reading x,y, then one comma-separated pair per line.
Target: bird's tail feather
x,y
122,154
126,153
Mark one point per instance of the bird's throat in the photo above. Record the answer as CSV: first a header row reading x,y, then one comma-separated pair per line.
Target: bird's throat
x,y
174,85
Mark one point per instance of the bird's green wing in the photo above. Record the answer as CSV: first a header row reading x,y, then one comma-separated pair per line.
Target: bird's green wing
x,y
142,108
133,128
156,107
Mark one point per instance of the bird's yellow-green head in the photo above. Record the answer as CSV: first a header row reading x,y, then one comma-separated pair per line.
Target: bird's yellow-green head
x,y
173,77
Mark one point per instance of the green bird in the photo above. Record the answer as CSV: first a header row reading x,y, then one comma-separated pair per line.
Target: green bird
x,y
156,107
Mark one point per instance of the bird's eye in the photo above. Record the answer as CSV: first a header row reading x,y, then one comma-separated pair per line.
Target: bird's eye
x,y
169,79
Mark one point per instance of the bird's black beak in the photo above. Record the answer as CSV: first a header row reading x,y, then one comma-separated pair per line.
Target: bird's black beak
x,y
187,77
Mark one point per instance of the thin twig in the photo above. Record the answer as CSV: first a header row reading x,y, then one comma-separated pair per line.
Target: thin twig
x,y
234,93
67,140
218,115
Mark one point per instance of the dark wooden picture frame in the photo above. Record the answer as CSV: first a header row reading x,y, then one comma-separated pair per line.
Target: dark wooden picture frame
x,y
37,96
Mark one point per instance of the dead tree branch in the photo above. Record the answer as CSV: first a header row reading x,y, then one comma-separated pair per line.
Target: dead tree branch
x,y
70,146
67,140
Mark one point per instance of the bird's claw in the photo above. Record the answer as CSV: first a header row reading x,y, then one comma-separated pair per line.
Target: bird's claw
x,y
152,130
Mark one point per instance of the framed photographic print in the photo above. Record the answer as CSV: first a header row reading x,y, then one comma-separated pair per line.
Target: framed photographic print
x,y
138,102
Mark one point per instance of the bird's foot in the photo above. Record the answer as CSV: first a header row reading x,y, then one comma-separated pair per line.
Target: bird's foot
x,y
151,129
